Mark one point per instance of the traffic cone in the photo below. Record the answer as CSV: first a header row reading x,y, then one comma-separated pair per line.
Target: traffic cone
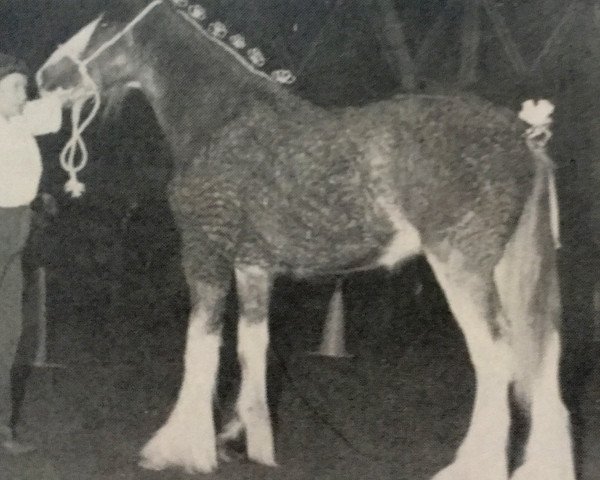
x,y
333,341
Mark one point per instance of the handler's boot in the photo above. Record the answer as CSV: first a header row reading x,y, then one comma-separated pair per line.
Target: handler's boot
x,y
11,445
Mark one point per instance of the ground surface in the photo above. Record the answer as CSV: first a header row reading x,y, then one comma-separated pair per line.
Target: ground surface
x,y
395,411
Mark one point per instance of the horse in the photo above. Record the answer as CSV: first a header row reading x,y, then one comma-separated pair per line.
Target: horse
x,y
266,183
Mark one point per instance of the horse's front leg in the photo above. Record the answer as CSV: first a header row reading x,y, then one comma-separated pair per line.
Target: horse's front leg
x,y
252,411
187,439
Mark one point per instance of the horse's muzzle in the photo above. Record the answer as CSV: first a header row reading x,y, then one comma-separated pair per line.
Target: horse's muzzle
x,y
63,74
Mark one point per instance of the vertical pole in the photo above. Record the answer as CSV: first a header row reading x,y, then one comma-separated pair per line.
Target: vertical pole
x,y
506,40
471,37
390,30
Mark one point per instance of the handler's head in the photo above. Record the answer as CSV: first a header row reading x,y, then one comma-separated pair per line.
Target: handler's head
x,y
13,85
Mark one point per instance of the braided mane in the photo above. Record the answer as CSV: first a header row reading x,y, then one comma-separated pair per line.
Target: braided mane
x,y
235,44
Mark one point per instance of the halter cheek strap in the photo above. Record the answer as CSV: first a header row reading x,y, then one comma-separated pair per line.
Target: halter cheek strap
x,y
109,43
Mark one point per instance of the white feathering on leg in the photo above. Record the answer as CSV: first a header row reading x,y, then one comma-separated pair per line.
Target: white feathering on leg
x,y
253,341
188,437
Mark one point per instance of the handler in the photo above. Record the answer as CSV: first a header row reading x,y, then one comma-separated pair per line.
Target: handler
x,y
20,174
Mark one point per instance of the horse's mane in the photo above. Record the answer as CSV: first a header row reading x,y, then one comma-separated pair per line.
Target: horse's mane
x,y
199,42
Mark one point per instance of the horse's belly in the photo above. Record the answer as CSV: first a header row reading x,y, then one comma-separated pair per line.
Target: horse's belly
x,y
380,236
328,250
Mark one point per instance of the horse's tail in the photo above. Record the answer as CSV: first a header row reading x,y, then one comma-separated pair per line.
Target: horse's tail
x,y
526,277
527,284
527,281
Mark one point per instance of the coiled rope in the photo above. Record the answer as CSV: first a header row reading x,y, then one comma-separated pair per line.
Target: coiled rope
x,y
68,155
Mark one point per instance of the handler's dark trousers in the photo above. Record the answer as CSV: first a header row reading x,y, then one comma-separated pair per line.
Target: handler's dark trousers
x,y
14,230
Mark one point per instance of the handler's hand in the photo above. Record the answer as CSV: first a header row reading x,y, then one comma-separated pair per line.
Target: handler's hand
x,y
67,97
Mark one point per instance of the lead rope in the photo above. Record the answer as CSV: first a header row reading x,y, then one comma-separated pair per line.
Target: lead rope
x,y
537,114
76,144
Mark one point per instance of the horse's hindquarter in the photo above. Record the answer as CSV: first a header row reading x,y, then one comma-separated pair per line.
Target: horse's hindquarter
x,y
463,174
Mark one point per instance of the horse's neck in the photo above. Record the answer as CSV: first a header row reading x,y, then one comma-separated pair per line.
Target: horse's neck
x,y
197,92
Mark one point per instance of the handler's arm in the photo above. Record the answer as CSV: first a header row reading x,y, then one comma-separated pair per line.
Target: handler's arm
x,y
43,116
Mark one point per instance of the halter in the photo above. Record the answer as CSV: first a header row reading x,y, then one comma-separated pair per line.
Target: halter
x,y
68,154
215,33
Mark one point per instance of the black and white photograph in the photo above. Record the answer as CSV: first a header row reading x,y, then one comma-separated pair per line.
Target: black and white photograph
x,y
299,239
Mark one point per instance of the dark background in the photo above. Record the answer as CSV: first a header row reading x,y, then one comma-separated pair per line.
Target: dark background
x,y
116,248
112,256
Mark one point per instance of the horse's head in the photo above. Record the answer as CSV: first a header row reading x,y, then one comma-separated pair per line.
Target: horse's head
x,y
98,58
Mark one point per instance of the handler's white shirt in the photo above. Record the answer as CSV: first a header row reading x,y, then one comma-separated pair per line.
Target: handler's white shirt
x,y
20,158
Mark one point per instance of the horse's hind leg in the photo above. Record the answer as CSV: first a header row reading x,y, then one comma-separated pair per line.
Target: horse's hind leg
x,y
254,288
527,283
471,297
187,439
548,454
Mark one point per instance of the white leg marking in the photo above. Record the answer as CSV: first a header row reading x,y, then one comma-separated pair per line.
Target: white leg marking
x,y
252,407
188,437
406,242
482,454
549,454
254,286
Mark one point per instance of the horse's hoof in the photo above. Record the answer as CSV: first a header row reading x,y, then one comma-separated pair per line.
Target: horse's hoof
x,y
471,470
534,471
171,450
262,455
